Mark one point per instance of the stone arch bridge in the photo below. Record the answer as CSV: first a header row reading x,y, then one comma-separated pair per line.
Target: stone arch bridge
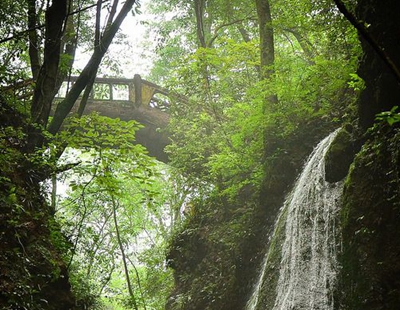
x,y
133,99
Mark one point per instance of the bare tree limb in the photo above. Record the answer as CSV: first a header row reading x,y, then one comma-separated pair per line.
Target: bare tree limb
x,y
89,87
113,11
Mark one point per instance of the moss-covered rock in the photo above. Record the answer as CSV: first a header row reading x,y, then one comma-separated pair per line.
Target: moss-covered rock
x,y
370,276
208,258
341,154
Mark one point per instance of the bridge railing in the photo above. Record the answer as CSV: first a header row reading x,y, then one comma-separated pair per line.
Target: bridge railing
x,y
136,91
108,89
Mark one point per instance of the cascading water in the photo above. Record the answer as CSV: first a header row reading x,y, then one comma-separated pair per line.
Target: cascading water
x,y
308,265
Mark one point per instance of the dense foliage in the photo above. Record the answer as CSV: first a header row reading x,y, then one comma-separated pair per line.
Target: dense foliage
x,y
213,57
117,214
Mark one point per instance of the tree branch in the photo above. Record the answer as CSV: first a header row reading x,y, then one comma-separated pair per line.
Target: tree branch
x,y
362,30
244,33
91,68
18,34
89,86
219,27
304,44
121,247
113,11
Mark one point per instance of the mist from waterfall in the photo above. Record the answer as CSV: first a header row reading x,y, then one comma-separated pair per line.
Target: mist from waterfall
x,y
308,266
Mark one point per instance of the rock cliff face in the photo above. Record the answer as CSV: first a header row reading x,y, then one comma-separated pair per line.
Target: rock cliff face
x,y
370,277
382,88
371,202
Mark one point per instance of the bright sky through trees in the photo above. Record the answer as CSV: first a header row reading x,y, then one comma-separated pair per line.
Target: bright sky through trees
x,y
132,55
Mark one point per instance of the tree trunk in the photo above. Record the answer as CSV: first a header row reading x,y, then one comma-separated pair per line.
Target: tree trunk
x,y
266,38
199,6
33,39
267,49
45,88
33,274
89,86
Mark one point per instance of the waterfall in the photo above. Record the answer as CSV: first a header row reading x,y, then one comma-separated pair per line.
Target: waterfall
x,y
308,266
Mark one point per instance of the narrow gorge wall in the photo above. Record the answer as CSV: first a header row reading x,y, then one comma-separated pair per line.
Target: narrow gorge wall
x,y
370,276
216,256
33,274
